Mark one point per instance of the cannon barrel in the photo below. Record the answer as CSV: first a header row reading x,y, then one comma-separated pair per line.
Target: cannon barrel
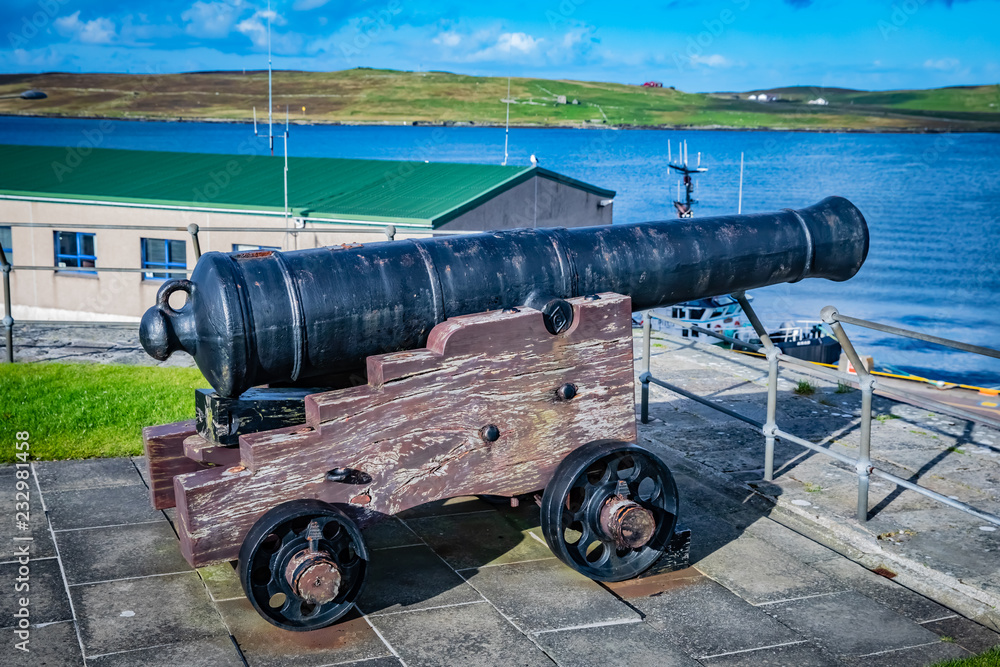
x,y
263,317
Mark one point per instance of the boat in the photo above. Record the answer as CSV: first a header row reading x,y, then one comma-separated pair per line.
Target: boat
x,y
808,340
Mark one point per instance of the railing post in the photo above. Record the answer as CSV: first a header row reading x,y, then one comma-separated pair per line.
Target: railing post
x,y
390,232
8,321
866,381
771,351
647,334
193,231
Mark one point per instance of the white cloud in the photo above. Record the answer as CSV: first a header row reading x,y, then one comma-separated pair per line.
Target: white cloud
x,y
211,19
450,39
305,5
576,45
944,64
255,27
514,45
714,60
98,31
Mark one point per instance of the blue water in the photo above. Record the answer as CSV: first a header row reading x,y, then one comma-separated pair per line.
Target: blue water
x,y
932,203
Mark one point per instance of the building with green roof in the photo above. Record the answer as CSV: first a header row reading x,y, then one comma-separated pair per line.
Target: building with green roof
x,y
72,214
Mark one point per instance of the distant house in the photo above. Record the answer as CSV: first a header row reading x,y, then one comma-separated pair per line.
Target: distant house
x,y
818,100
752,98
652,84
763,97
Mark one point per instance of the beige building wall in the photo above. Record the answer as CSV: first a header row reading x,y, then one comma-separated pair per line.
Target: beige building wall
x,y
68,294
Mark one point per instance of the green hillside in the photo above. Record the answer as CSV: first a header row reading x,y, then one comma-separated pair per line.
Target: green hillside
x,y
394,97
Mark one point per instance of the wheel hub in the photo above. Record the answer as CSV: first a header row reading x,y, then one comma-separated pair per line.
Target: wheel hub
x,y
627,523
313,577
312,573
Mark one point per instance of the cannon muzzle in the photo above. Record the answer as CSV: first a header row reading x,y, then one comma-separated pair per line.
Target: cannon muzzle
x,y
263,317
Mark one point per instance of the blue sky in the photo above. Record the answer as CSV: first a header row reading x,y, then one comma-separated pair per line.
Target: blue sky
x,y
695,46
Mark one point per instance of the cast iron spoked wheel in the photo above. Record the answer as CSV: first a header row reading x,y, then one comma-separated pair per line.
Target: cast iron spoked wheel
x,y
609,510
303,565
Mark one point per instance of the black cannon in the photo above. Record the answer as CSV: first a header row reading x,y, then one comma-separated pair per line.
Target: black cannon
x,y
265,316
488,364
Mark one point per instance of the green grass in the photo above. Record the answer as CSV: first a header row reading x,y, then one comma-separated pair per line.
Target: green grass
x,y
989,658
365,95
805,388
76,411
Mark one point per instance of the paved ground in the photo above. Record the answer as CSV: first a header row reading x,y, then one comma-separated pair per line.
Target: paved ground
x,y
467,583
87,342
941,552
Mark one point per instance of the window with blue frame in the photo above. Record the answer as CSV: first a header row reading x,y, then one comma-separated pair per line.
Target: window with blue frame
x,y
163,254
7,244
244,247
75,250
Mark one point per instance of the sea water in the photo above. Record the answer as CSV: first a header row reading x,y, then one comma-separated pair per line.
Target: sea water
x,y
932,202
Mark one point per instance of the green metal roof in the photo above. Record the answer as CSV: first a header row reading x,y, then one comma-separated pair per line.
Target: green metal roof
x,y
412,193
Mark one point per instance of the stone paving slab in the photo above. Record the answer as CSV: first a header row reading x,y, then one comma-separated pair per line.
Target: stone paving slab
x,y
408,578
140,613
46,592
264,645
496,539
759,572
918,656
632,644
472,635
965,633
55,645
799,654
104,506
540,596
881,589
704,618
103,554
198,653
87,474
222,581
850,624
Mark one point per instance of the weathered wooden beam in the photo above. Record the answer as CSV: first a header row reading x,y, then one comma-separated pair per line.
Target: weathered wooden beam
x,y
419,430
164,448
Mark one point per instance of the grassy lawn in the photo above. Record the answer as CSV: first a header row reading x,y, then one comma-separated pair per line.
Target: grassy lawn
x,y
990,658
389,96
76,411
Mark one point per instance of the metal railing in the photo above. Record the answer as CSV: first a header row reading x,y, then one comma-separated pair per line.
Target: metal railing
x,y
862,465
193,230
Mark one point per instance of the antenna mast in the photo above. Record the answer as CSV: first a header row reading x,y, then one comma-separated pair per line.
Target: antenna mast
x,y
270,134
685,207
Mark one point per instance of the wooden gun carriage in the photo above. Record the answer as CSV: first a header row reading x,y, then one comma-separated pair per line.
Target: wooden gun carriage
x,y
493,364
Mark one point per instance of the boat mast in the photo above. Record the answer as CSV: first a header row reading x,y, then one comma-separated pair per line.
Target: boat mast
x,y
685,207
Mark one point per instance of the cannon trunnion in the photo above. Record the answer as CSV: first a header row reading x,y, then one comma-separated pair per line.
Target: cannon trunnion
x,y
489,364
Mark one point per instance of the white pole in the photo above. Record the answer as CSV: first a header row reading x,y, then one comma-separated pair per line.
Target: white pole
x,y
506,127
255,121
699,159
270,134
669,159
739,205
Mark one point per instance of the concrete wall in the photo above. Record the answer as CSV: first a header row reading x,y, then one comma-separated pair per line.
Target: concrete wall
x,y
538,202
